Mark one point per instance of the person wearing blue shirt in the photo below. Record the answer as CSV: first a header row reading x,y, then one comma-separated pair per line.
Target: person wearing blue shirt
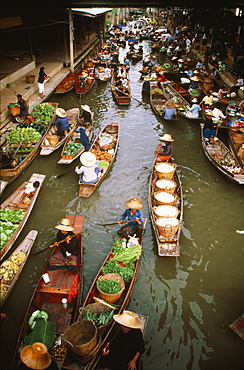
x,y
135,215
169,110
61,122
194,110
83,137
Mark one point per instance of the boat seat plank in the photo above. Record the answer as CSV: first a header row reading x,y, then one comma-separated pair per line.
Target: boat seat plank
x,y
52,290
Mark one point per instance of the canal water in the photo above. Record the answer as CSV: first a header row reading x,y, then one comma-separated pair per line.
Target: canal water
x,y
190,300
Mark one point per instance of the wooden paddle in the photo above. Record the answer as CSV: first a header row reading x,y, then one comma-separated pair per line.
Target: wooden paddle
x,y
114,223
51,246
62,174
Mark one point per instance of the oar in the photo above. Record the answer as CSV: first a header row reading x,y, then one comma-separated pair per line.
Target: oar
x,y
62,174
51,246
139,101
114,223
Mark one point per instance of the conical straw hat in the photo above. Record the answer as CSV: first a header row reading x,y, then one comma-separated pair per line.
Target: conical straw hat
x,y
35,356
128,319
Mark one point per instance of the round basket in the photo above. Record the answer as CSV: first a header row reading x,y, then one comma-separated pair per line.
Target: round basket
x,y
15,111
112,129
30,79
165,170
108,146
84,359
166,211
167,227
53,139
96,308
166,185
112,298
163,198
81,337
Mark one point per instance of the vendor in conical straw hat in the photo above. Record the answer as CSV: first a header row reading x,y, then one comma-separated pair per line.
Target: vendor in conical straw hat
x,y
164,153
194,82
128,345
169,110
62,122
134,214
86,114
36,357
89,171
66,255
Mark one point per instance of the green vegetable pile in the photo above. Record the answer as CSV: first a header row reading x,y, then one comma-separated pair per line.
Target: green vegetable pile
x,y
194,92
128,255
125,272
109,286
14,216
118,245
13,105
37,126
72,148
43,113
103,164
99,319
6,231
27,135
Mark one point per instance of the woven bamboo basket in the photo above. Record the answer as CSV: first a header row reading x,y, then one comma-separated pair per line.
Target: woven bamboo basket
x,y
84,359
81,337
14,111
166,185
112,298
53,139
112,128
166,211
161,170
168,200
169,230
96,308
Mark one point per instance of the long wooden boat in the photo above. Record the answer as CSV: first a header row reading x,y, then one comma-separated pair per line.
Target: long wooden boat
x,y
19,258
168,241
67,84
236,141
74,139
48,296
122,303
222,158
157,101
181,104
52,140
12,203
85,79
123,99
112,129
238,326
25,151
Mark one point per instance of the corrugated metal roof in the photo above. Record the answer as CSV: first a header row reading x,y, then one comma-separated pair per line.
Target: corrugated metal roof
x,y
91,12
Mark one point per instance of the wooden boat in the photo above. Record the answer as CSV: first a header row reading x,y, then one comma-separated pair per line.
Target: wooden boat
x,y
26,151
222,158
158,100
181,104
236,141
12,203
48,296
123,99
19,257
85,79
52,140
168,240
93,296
74,138
67,84
238,326
112,129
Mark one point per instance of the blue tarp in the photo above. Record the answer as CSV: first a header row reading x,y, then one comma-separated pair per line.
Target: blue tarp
x,y
133,40
119,25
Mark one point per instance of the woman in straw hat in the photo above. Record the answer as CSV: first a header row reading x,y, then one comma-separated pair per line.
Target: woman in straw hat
x,y
62,122
209,128
66,257
164,153
169,110
194,82
36,357
89,170
86,116
128,344
135,215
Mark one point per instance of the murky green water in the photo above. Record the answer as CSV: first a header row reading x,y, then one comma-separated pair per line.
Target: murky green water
x,y
190,300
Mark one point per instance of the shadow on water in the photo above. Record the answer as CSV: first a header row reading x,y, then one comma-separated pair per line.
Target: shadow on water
x,y
190,300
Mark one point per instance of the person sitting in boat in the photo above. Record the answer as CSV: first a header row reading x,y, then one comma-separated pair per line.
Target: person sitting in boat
x,y
62,122
207,100
194,110
24,113
121,91
30,189
134,214
218,114
128,344
164,153
209,129
89,171
86,116
36,356
126,64
169,110
66,257
84,139
222,92
194,83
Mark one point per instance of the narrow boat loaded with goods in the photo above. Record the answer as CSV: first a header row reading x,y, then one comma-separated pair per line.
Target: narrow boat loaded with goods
x,y
53,140
15,211
12,267
121,98
159,101
222,158
85,79
22,144
105,148
47,315
110,292
166,207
